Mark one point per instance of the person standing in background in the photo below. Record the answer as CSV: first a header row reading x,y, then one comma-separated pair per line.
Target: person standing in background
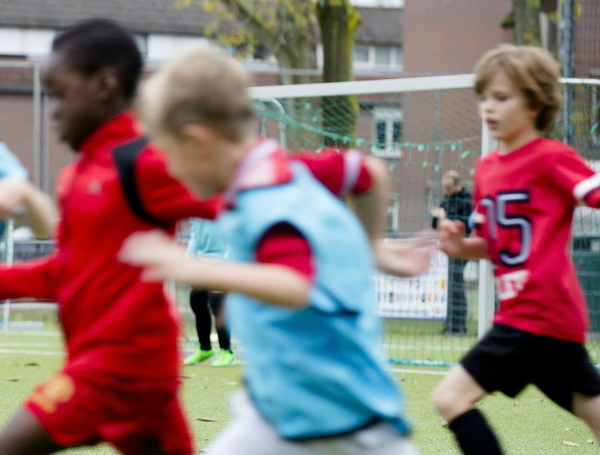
x,y
206,241
456,205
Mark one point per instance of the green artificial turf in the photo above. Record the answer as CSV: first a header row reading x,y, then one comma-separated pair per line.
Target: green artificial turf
x,y
531,424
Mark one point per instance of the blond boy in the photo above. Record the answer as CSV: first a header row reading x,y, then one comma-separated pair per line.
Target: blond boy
x,y
316,379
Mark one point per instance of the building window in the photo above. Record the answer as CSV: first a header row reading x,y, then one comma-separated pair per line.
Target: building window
x,y
399,58
383,56
361,54
25,42
387,132
389,57
250,53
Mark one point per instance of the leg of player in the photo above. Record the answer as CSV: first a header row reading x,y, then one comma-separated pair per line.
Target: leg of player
x,y
588,409
23,435
226,356
249,433
455,399
199,301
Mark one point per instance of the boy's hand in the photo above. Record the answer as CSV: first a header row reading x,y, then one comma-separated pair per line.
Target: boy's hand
x,y
451,237
406,258
158,254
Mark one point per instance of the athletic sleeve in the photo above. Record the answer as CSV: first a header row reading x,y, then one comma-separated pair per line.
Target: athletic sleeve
x,y
284,245
343,173
38,279
571,173
164,197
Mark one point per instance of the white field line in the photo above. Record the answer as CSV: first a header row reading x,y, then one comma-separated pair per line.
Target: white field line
x,y
26,352
241,362
29,333
425,372
425,348
408,347
30,345
393,370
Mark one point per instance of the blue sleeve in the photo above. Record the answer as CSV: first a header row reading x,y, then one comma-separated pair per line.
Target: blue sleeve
x,y
10,166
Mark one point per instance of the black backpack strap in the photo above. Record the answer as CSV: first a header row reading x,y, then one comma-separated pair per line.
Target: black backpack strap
x,y
125,156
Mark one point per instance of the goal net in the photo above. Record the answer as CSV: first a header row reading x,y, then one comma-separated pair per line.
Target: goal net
x,y
423,127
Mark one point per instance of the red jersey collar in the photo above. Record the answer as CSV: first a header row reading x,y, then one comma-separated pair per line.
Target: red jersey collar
x,y
118,129
265,164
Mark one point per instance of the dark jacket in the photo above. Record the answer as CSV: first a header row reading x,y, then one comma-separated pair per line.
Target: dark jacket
x,y
458,206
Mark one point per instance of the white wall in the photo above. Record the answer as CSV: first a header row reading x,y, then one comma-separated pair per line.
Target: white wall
x,y
38,42
378,3
25,41
164,47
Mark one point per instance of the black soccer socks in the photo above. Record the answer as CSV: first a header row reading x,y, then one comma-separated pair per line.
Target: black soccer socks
x,y
474,435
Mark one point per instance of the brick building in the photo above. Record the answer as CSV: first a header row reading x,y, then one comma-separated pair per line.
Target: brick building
x,y
421,133
27,28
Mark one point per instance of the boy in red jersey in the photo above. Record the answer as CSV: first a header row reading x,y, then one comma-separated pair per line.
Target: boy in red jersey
x,y
525,194
120,378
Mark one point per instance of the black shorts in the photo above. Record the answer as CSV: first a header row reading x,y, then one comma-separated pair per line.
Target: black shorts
x,y
508,359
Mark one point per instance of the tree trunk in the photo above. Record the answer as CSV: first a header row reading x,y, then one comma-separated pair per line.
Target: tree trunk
x,y
338,21
527,22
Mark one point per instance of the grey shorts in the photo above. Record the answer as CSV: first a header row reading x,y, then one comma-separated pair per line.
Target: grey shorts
x,y
249,433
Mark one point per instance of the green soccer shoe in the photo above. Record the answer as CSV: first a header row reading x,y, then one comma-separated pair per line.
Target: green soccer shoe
x,y
198,356
225,359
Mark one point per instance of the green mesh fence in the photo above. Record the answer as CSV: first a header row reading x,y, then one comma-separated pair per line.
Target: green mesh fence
x,y
585,121
422,134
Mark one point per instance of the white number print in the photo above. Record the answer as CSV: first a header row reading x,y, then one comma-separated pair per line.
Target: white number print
x,y
498,218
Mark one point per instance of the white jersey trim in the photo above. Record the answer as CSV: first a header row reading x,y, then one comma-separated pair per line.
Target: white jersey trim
x,y
352,164
583,188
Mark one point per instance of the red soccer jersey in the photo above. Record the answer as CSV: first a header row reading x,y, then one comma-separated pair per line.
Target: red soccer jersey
x,y
525,202
113,323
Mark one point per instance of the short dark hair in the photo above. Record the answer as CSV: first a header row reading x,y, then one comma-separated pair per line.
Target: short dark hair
x,y
94,44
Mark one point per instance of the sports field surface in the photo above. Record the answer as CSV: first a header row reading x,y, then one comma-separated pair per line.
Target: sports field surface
x,y
528,425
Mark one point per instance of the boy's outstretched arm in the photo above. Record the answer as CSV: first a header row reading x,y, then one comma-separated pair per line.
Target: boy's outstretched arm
x,y
370,206
364,181
359,178
162,260
37,278
406,257
453,242
15,193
